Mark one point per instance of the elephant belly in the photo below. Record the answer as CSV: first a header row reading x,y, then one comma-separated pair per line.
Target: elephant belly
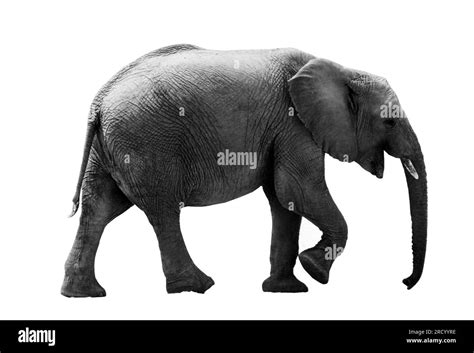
x,y
219,190
206,196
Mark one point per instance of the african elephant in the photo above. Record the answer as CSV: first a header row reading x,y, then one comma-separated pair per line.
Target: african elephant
x,y
181,125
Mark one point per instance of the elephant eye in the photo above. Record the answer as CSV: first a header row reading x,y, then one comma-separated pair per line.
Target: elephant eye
x,y
389,123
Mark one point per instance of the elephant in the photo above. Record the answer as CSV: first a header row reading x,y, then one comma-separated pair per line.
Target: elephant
x,y
186,126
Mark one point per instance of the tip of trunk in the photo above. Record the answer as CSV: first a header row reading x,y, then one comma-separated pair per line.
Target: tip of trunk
x,y
411,281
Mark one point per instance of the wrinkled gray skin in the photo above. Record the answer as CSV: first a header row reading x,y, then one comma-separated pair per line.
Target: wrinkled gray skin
x,y
155,131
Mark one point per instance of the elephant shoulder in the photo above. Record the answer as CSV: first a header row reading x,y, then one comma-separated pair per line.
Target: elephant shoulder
x,y
293,59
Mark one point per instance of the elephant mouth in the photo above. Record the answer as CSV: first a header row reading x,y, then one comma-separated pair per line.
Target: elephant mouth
x,y
377,169
373,166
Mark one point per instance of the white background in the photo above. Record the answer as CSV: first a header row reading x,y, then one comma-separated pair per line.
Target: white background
x,y
56,55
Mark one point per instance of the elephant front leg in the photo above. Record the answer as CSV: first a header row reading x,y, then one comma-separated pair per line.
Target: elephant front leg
x,y
319,208
318,260
284,248
299,181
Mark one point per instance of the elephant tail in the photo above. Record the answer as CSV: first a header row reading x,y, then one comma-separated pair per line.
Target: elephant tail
x,y
92,125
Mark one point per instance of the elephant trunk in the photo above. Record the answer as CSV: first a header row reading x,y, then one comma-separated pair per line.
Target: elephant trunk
x,y
415,174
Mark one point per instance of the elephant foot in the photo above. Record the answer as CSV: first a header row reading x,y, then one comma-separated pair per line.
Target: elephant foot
x,y
80,286
285,284
193,280
314,262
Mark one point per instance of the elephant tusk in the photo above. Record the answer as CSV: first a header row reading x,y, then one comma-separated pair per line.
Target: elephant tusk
x,y
409,166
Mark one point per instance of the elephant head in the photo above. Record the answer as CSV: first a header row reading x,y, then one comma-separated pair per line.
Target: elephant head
x,y
355,116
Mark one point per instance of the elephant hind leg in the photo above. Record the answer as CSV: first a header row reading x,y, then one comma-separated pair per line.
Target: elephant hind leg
x,y
102,201
180,271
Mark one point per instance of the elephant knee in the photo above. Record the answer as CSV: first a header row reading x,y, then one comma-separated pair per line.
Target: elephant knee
x,y
335,235
340,236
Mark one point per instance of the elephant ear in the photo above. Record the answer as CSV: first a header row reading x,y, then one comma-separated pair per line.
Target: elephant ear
x,y
322,98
